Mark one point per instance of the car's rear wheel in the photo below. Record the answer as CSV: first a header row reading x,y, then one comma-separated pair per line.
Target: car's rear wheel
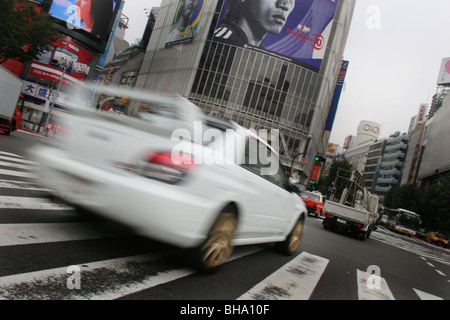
x,y
218,246
292,242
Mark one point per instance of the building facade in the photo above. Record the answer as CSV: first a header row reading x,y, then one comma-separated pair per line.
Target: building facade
x,y
391,166
259,87
435,151
373,163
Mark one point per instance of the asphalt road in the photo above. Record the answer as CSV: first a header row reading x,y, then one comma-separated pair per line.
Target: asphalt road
x,y
49,251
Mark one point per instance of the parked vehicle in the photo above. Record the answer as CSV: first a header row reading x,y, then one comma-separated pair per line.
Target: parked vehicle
x,y
356,212
436,238
314,203
11,101
174,175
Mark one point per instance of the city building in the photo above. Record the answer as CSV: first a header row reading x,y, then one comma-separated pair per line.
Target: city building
x,y
435,152
374,157
391,166
358,147
72,59
412,160
283,83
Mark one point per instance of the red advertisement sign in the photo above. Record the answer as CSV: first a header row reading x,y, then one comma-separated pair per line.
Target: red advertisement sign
x,y
67,59
315,172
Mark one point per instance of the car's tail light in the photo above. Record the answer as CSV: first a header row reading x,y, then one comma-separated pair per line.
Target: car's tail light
x,y
166,167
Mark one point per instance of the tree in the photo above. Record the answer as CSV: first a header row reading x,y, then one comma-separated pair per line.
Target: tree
x,y
432,203
24,33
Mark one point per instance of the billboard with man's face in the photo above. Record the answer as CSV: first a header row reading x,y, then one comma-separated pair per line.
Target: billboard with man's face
x,y
295,30
185,22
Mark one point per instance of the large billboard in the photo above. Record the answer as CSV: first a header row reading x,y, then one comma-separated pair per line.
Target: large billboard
x,y
295,30
91,19
185,21
67,61
444,72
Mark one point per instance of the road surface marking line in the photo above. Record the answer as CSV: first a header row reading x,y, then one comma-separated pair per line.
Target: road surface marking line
x,y
10,154
30,203
16,173
423,258
441,273
18,160
410,247
15,165
14,184
372,287
99,280
430,264
34,233
296,280
426,296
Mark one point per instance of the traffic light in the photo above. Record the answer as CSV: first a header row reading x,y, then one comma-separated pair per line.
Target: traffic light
x,y
320,158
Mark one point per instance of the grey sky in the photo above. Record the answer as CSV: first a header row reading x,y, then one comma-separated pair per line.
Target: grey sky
x,y
395,49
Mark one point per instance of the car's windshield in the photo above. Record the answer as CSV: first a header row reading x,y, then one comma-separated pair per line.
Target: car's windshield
x,y
311,196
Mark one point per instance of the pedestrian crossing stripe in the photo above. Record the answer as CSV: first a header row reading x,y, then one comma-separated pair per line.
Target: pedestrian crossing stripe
x,y
3,153
15,165
7,202
372,287
21,185
16,159
302,278
34,233
44,284
13,173
294,281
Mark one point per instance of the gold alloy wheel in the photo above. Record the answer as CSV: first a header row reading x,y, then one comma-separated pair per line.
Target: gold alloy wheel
x,y
217,247
296,236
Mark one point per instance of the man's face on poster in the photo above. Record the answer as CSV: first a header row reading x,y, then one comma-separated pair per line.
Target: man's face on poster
x,y
271,15
189,7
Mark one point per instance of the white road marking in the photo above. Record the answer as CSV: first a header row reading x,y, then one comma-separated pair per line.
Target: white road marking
x,y
17,160
99,280
426,296
30,203
22,185
441,273
15,165
4,153
20,234
372,287
294,281
401,243
16,173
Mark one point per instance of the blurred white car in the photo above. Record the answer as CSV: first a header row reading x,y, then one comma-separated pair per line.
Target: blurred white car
x,y
176,176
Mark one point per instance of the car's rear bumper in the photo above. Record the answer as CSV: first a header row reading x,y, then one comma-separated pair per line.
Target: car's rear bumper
x,y
164,212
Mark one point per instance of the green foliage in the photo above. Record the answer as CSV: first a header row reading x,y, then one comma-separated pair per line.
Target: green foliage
x,y
24,33
431,202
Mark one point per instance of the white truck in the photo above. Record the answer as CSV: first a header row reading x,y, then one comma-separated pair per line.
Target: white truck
x,y
356,212
11,101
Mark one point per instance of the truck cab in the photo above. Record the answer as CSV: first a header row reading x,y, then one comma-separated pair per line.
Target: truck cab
x,y
7,126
